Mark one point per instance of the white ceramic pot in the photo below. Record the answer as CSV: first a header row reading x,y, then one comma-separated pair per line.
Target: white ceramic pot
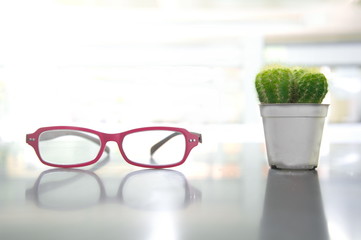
x,y
293,134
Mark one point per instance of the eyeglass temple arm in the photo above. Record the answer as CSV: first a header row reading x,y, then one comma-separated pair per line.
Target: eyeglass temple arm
x,y
156,146
53,135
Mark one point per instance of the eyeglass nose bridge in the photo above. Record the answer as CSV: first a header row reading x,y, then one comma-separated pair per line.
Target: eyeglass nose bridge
x,y
112,137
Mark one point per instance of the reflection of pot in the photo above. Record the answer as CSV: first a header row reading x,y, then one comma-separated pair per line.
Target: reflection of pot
x,y
68,189
293,207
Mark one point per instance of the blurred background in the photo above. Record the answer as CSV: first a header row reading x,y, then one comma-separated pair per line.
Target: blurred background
x,y
108,64
112,65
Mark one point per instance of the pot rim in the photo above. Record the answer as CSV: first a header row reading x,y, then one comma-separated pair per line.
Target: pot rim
x,y
293,104
294,110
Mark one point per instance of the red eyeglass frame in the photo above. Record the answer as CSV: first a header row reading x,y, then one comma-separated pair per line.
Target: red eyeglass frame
x,y
192,140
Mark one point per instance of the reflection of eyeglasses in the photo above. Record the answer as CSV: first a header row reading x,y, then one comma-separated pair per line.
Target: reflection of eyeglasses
x,y
70,189
152,147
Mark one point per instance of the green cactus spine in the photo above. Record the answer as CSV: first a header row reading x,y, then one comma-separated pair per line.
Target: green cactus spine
x,y
297,73
290,85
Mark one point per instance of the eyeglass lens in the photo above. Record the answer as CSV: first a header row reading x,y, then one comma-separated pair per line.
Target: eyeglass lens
x,y
65,147
157,147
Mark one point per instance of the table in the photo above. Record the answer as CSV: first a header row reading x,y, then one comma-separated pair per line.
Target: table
x,y
225,190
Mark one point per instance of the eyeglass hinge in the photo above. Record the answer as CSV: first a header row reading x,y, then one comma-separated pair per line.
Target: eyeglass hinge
x,y
31,139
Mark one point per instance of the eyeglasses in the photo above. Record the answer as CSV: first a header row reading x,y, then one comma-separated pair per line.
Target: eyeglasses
x,y
152,147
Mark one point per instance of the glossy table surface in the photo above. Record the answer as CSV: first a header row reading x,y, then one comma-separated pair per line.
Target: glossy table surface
x,y
225,190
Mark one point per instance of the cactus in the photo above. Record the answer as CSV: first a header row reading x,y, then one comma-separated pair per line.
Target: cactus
x,y
290,85
312,88
275,85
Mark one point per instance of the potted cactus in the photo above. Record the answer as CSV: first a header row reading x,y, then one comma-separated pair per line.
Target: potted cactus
x,y
293,116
